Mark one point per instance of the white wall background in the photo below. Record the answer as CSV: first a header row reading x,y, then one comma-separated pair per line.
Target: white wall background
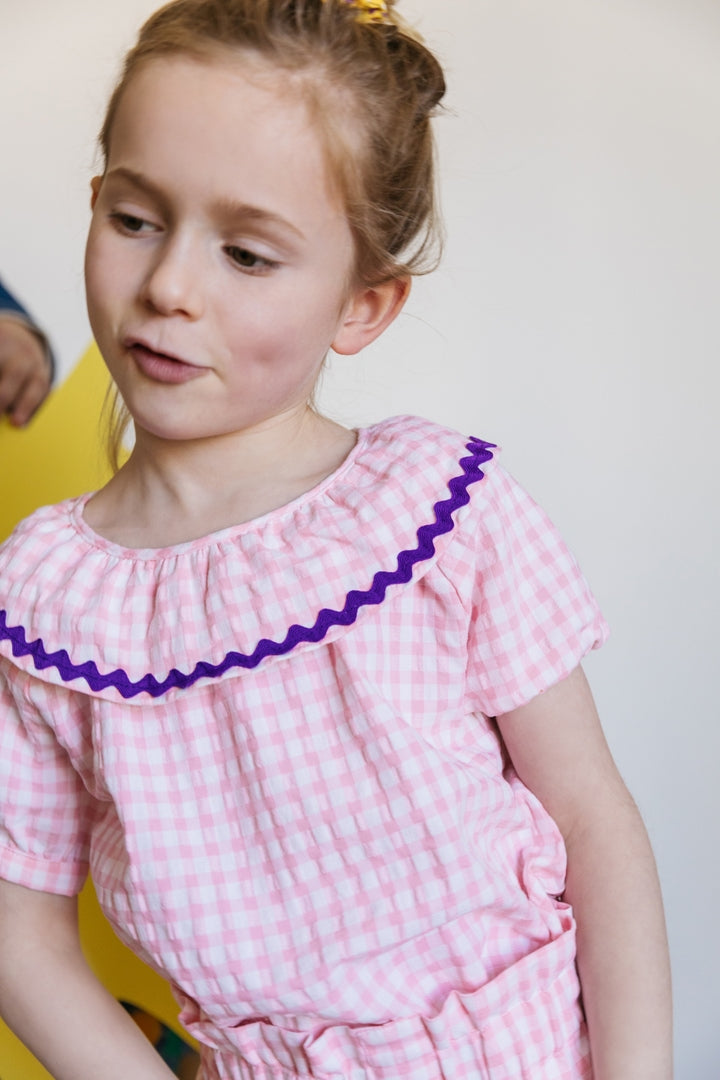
x,y
576,320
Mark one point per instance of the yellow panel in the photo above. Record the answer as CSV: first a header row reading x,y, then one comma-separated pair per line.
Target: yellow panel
x,y
58,455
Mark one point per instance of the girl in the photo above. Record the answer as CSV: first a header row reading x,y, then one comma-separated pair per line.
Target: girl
x,y
307,700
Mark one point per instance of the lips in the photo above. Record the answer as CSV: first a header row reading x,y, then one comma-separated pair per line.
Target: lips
x,y
162,367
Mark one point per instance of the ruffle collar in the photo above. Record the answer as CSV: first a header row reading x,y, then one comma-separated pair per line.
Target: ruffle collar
x,y
142,624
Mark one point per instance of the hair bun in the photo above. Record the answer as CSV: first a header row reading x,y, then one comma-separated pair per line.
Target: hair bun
x,y
417,66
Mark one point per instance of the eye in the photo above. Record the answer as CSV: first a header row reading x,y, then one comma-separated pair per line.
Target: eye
x,y
129,223
248,260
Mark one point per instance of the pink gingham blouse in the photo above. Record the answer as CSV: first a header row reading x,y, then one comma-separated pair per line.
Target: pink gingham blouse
x,y
274,749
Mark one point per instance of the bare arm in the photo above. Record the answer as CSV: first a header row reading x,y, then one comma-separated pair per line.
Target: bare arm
x,y
558,749
54,1003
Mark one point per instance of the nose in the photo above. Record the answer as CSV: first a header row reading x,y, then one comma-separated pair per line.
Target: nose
x,y
174,282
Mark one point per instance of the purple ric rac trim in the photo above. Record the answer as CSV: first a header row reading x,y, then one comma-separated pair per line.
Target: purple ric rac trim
x,y
480,453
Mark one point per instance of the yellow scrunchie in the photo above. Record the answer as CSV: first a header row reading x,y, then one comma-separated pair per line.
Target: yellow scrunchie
x,y
370,11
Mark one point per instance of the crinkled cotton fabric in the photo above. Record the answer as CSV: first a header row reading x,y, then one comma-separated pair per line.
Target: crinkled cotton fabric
x,y
274,747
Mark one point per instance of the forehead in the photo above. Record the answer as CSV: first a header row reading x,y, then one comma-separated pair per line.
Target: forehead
x,y
236,106
218,95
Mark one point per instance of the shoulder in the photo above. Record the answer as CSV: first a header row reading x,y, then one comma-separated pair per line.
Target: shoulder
x,y
39,556
415,478
425,459
415,460
414,440
432,478
46,531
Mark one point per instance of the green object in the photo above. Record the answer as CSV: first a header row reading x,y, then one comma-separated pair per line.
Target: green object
x,y
175,1052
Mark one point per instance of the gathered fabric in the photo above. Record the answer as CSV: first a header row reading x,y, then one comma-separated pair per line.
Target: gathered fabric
x,y
526,1024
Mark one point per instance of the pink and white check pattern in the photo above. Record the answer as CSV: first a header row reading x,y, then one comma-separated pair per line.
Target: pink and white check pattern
x,y
323,854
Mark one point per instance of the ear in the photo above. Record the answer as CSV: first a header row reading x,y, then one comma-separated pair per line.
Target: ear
x,y
95,185
369,311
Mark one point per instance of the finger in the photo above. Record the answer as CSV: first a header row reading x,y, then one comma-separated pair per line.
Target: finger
x,y
11,384
31,393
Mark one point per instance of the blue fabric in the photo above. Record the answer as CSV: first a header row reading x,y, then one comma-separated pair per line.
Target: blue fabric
x,y
9,303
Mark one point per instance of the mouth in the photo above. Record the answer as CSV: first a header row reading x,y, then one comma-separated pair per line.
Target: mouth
x,y
162,367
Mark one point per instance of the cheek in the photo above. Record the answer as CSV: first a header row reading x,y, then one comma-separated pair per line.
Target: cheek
x,y
95,269
107,259
102,297
317,314
108,281
292,321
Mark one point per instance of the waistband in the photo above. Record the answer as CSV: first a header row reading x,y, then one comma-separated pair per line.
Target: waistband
x,y
526,1024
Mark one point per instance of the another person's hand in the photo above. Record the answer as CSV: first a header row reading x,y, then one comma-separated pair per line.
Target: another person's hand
x,y
25,370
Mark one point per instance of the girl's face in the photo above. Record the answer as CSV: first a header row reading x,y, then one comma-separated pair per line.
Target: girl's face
x,y
219,259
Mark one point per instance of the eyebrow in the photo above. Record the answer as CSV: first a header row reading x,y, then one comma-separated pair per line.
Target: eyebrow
x,y
226,208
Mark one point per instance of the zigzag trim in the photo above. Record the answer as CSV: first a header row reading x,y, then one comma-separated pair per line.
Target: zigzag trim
x,y
480,454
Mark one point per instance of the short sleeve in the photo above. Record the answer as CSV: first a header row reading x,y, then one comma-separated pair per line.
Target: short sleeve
x,y
533,615
45,809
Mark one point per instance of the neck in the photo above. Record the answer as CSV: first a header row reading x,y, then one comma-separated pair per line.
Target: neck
x,y
171,491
